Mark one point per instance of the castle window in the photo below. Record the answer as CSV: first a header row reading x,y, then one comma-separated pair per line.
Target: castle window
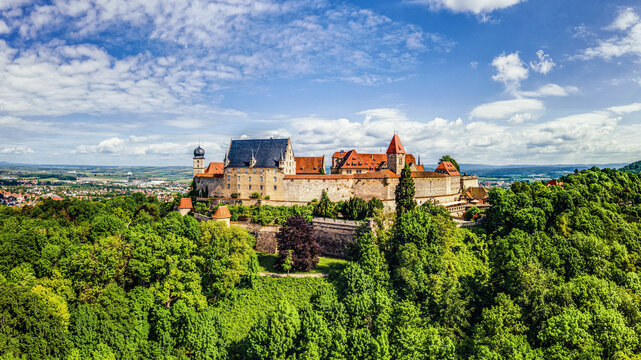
x,y
274,178
238,177
238,187
250,187
275,187
228,186
275,171
261,171
254,171
246,170
261,187
261,179
250,179
228,177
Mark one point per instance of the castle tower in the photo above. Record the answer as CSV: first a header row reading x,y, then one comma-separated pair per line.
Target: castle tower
x,y
396,155
199,161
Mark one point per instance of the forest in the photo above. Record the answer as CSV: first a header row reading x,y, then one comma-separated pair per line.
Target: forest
x,y
553,272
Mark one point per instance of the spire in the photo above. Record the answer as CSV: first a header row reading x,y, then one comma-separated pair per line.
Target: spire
x,y
395,146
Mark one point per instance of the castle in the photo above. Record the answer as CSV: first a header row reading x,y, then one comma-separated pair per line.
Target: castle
x,y
268,169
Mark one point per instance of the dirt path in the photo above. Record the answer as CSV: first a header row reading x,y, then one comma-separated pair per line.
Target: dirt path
x,y
290,275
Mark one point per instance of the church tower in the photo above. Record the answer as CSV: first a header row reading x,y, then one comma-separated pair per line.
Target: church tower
x,y
199,161
396,155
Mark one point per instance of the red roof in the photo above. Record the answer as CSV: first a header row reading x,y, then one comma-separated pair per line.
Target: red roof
x,y
309,164
395,146
185,203
446,167
371,162
215,168
555,182
222,213
352,160
420,168
368,175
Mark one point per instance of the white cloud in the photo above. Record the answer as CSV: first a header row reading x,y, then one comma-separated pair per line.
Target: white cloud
x,y
625,109
545,63
4,28
472,6
9,4
510,70
550,90
626,18
626,42
508,108
17,150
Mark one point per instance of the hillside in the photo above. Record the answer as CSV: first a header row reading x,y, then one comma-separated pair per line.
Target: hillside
x,y
635,167
554,273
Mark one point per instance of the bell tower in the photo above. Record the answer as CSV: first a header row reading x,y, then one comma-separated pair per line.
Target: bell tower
x,y
396,155
199,161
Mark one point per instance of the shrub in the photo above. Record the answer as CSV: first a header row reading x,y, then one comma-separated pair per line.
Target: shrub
x,y
254,196
235,195
355,209
325,207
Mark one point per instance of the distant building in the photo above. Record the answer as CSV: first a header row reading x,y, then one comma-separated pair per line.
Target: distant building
x,y
268,167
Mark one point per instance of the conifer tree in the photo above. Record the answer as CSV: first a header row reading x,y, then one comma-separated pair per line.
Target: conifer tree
x,y
405,192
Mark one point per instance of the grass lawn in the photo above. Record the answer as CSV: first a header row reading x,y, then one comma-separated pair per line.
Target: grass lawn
x,y
325,264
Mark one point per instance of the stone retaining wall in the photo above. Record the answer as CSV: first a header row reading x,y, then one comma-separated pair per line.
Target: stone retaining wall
x,y
334,236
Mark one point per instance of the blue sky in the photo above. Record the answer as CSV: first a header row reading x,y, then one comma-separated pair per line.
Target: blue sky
x,y
142,82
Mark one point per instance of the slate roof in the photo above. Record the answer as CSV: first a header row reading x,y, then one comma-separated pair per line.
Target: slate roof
x,y
267,152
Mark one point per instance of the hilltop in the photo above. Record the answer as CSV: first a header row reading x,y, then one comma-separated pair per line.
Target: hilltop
x,y
635,167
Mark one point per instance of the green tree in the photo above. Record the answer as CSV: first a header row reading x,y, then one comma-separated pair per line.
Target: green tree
x,y
325,207
275,337
405,192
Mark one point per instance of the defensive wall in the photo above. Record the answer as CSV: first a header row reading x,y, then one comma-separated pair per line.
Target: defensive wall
x,y
334,236
301,189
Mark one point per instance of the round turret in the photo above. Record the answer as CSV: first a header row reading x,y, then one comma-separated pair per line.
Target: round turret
x,y
199,152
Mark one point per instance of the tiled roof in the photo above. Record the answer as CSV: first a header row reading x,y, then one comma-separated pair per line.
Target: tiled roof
x,y
267,152
420,168
368,175
477,193
215,168
210,175
446,167
395,146
373,161
185,203
309,164
222,213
